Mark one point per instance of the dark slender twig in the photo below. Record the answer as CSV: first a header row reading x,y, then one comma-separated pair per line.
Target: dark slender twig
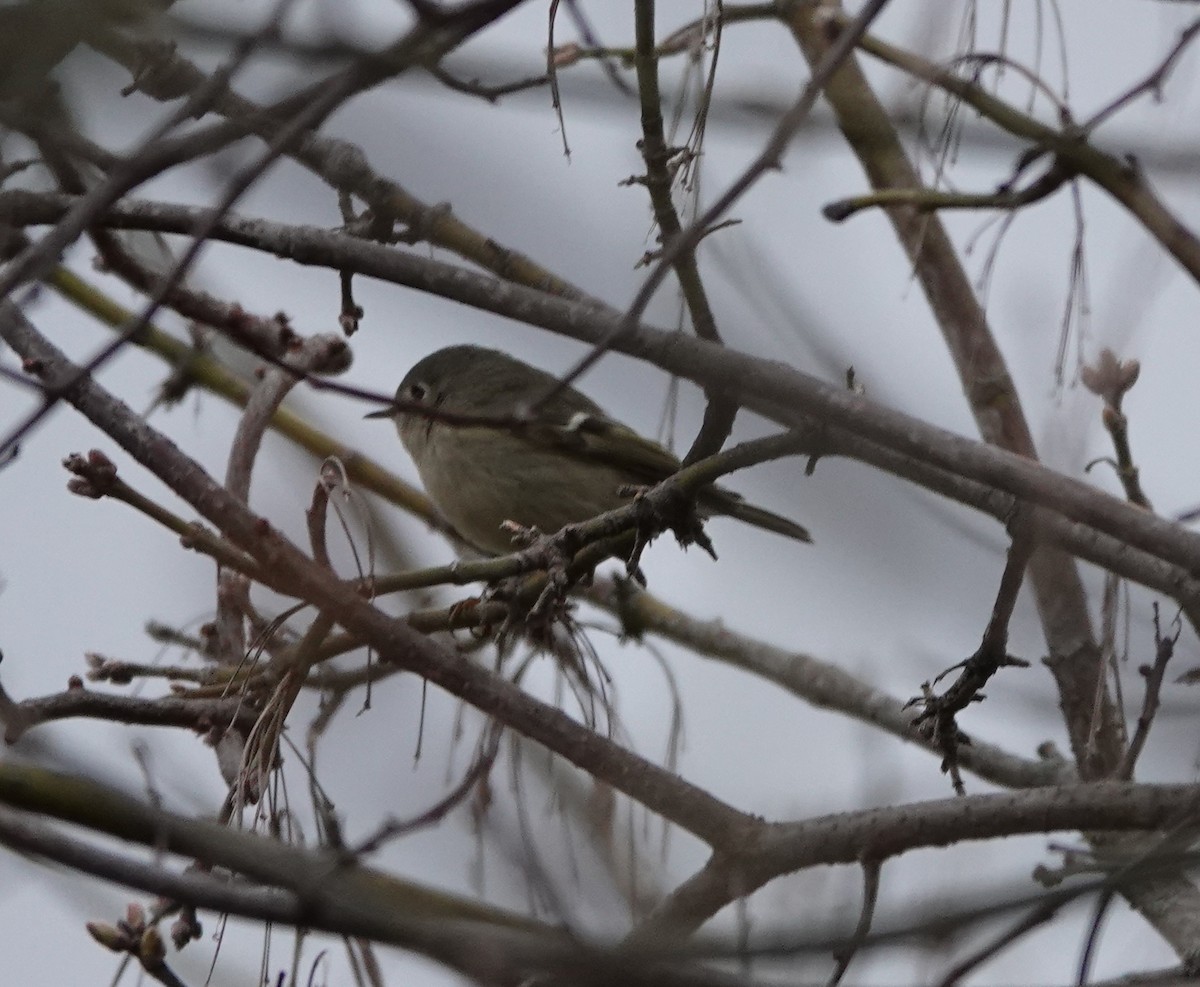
x,y
1153,83
938,716
590,38
491,92
1164,650
720,410
552,75
1035,918
845,954
1091,943
480,767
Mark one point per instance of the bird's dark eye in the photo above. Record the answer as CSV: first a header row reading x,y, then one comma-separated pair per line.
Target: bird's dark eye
x,y
417,391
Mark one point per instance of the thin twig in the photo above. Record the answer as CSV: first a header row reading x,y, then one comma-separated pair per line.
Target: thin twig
x,y
845,954
1164,650
938,717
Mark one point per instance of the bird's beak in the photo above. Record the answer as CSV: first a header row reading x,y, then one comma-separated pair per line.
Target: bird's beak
x,y
388,412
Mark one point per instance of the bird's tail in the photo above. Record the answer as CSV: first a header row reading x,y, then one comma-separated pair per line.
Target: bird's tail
x,y
728,503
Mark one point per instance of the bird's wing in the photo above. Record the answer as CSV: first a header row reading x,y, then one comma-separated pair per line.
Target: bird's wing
x,y
600,439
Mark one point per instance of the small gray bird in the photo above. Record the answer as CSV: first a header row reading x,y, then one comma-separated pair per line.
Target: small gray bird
x,y
565,466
